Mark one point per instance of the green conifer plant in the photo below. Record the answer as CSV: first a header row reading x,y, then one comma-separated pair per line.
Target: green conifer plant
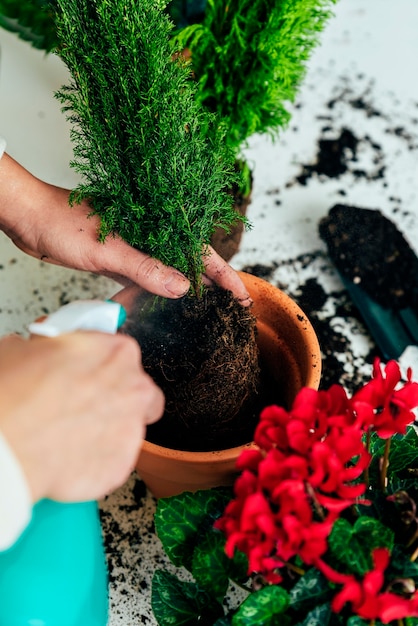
x,y
249,59
155,164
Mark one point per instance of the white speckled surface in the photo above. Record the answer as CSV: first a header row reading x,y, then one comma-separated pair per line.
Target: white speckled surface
x,y
368,56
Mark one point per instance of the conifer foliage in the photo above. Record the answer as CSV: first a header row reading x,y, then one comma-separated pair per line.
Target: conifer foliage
x,y
31,20
249,58
155,165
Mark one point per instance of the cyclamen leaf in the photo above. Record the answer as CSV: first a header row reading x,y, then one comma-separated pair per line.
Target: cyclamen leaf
x,y
310,590
319,616
264,608
210,564
403,452
356,621
352,545
178,603
401,565
402,484
179,521
212,569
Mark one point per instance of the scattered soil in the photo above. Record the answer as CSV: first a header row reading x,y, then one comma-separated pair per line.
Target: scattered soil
x,y
337,155
204,356
321,308
369,250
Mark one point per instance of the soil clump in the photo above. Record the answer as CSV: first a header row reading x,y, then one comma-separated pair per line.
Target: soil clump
x,y
368,249
202,352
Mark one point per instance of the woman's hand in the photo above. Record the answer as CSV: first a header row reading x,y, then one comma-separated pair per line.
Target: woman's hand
x,y
39,220
74,410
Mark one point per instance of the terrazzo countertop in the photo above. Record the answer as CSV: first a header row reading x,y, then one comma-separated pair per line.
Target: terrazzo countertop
x,y
361,91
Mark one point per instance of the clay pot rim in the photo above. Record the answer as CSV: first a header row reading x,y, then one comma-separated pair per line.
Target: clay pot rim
x,y
231,454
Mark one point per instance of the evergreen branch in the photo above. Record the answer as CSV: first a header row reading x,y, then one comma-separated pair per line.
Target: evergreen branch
x,y
31,20
154,162
249,59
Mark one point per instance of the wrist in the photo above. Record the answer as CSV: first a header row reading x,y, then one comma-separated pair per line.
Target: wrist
x,y
19,194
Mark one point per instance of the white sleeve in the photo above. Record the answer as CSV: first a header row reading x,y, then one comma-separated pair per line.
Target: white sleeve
x,y
2,146
15,500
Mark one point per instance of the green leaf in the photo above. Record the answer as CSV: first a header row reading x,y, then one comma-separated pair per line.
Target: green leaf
x,y
319,616
310,590
181,520
211,567
352,545
210,564
223,621
178,603
403,452
355,620
401,565
264,608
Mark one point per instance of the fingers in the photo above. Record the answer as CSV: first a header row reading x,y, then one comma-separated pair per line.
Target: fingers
x,y
135,267
221,273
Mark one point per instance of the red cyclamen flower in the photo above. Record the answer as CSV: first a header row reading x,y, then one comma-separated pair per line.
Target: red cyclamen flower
x,y
382,406
296,484
366,597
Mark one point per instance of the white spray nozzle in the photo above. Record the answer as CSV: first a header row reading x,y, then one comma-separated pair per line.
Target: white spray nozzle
x,y
98,315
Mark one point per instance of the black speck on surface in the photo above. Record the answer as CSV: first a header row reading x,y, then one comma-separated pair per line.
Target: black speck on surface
x,y
335,346
261,271
139,491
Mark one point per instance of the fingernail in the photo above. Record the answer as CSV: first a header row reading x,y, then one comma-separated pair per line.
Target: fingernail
x,y
177,284
246,301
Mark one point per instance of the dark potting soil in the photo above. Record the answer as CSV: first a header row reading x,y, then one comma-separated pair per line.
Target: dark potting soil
x,y
203,354
368,249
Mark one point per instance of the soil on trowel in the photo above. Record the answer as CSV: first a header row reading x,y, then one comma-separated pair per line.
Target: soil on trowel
x,y
368,249
202,352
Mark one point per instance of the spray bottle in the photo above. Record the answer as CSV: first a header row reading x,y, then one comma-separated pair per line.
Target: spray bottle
x,y
56,574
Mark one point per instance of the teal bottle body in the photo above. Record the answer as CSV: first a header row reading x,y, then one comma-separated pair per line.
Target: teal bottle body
x,y
56,574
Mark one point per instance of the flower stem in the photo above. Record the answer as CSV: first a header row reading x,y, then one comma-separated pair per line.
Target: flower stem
x,y
384,466
296,569
311,493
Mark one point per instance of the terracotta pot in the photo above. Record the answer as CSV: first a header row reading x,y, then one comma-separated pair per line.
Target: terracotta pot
x,y
226,243
289,351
